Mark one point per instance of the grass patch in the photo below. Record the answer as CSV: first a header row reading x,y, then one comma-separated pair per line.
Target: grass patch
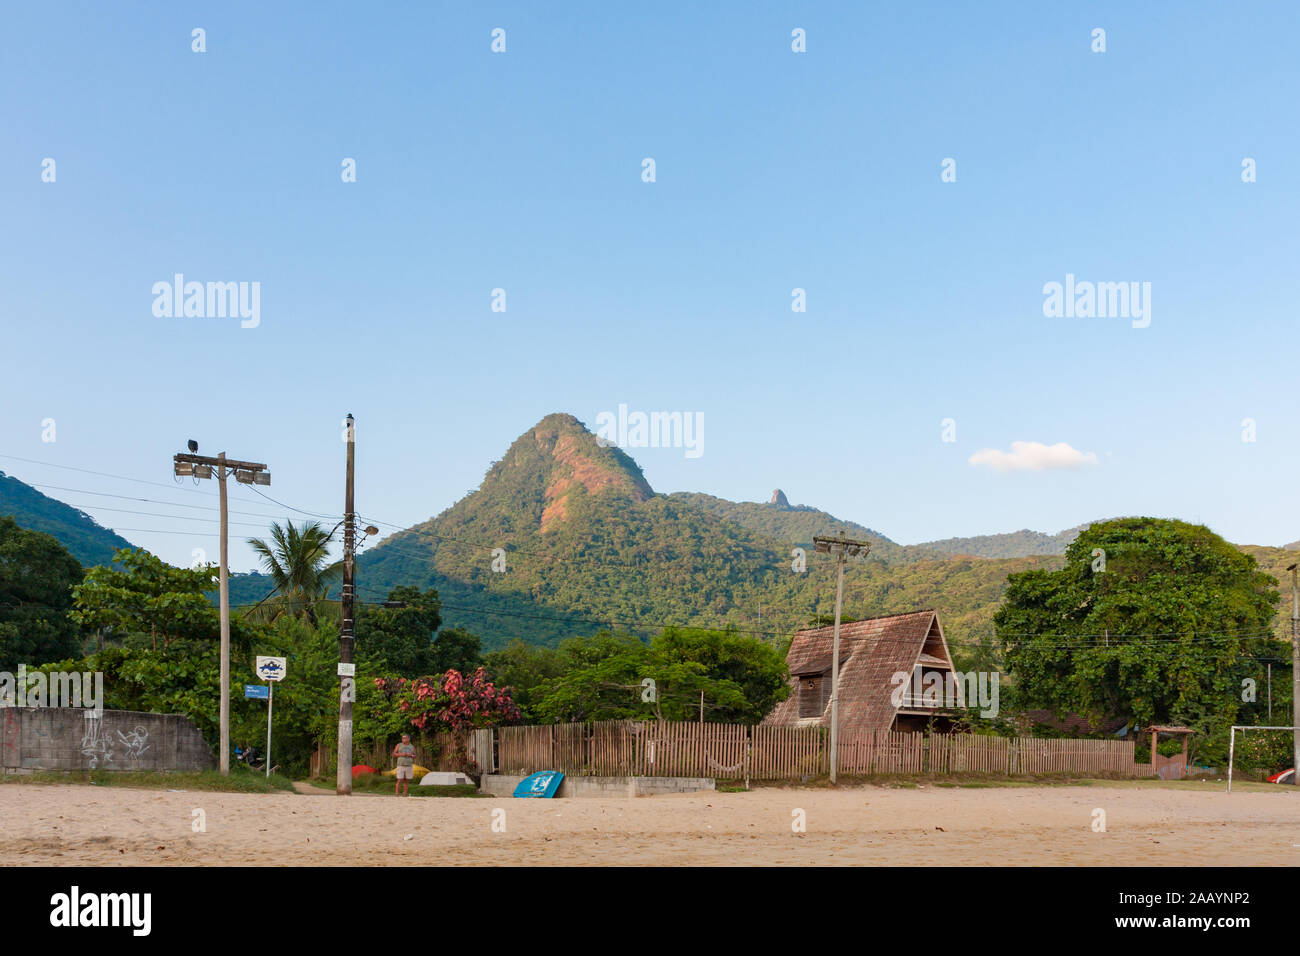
x,y
238,782
733,790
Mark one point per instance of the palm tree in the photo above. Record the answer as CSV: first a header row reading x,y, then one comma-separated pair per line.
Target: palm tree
x,y
297,562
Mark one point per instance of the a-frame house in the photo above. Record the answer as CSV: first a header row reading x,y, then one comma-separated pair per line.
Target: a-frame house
x,y
883,660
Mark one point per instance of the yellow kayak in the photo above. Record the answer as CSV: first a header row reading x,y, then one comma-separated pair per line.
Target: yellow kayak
x,y
419,771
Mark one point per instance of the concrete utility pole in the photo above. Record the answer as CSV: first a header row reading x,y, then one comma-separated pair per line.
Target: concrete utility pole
x,y
347,669
1295,674
843,548
247,473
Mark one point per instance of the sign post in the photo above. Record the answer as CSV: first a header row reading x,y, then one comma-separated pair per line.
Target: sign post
x,y
271,670
270,702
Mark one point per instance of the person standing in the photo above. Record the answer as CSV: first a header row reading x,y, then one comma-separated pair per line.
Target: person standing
x,y
405,754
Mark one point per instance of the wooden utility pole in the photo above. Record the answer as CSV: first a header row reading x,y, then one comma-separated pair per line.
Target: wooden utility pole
x,y
843,548
347,669
224,588
248,473
1295,675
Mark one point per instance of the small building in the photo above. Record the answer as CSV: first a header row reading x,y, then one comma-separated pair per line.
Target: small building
x,y
890,668
1169,768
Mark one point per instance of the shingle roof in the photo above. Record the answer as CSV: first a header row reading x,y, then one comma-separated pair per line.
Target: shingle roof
x,y
871,652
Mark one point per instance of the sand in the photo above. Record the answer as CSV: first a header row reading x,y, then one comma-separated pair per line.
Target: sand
x,y
86,825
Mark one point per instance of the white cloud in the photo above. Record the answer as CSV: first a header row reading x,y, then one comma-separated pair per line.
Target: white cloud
x,y
1033,456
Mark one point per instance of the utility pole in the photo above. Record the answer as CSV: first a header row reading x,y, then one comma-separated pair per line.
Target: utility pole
x,y
1295,674
843,548
347,669
247,473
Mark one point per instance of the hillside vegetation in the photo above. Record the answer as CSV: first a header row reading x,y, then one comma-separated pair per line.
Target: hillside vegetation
x,y
88,541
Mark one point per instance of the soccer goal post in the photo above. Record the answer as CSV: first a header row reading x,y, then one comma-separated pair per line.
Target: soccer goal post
x,y
1232,744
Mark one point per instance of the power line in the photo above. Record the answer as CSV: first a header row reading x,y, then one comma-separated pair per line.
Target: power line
x,y
157,514
313,514
156,501
175,486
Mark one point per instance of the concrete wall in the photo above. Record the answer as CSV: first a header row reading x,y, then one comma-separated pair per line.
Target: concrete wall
x,y
67,738
503,785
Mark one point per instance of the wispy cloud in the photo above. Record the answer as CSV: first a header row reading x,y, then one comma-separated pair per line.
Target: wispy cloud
x,y
1033,456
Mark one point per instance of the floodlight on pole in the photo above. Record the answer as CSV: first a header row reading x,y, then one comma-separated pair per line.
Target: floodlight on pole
x,y
201,467
842,548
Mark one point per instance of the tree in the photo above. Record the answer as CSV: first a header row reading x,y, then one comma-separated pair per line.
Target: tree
x,y
754,667
447,702
37,575
612,677
296,561
525,668
1163,630
142,594
456,649
401,636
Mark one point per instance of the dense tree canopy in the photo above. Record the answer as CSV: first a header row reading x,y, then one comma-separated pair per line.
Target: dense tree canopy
x,y
144,597
1162,628
37,575
401,635
616,676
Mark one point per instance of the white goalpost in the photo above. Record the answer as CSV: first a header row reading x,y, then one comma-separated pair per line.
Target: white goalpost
x,y
1232,744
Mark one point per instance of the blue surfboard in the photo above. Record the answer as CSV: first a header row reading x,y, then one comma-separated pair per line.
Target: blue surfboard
x,y
541,784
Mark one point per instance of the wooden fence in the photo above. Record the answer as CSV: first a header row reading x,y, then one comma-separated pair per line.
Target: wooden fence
x,y
735,751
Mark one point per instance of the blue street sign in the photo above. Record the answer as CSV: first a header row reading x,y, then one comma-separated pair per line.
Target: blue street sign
x,y
257,691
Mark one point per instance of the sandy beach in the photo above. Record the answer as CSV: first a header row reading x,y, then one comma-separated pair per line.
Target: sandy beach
x,y
86,825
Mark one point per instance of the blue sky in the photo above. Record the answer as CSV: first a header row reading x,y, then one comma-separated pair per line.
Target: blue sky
x,y
775,170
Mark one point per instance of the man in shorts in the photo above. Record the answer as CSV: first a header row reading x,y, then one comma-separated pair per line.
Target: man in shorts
x,y
405,754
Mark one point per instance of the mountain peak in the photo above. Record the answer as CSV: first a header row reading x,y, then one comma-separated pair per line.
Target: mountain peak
x,y
779,499
558,456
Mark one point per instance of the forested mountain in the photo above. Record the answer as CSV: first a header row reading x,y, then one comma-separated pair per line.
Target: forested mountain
x,y
796,524
585,542
1016,544
88,541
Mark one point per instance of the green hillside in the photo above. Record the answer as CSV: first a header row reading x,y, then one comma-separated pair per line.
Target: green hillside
x,y
87,540
1275,561
796,524
1016,544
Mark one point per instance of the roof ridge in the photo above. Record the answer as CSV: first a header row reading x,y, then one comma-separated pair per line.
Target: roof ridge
x,y
866,620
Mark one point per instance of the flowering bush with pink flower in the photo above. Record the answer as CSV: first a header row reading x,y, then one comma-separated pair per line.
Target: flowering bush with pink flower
x,y
449,701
